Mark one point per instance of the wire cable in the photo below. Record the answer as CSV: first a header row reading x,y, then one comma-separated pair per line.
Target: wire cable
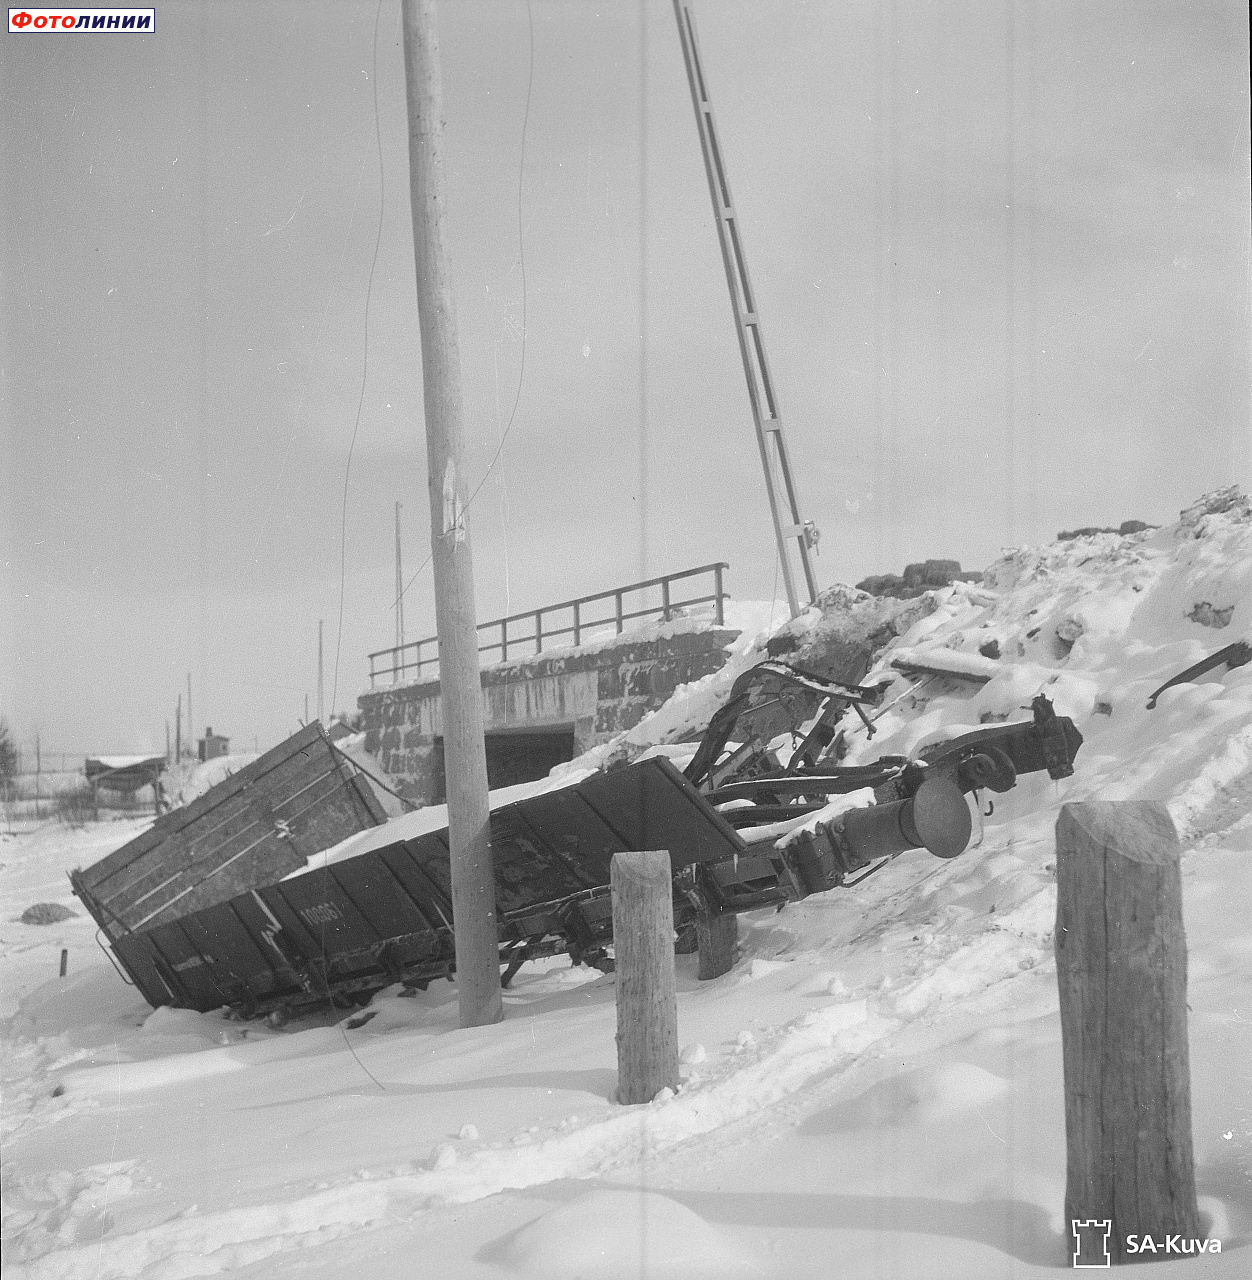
x,y
347,474
521,250
521,257
365,364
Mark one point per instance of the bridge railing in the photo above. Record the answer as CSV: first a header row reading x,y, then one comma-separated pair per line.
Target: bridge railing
x,y
588,618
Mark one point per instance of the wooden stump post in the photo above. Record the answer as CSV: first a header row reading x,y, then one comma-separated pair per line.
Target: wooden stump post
x,y
647,999
718,937
1121,965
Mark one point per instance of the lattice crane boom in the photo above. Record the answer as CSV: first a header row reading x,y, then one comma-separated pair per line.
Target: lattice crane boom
x,y
784,503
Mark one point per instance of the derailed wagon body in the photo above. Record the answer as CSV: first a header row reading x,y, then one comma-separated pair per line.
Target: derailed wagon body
x,y
294,937
350,927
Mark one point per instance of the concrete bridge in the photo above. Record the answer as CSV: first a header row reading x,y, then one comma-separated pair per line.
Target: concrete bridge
x,y
543,710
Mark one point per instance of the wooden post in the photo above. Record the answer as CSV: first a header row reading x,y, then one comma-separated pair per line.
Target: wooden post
x,y
1121,963
65,960
178,730
717,938
473,881
647,998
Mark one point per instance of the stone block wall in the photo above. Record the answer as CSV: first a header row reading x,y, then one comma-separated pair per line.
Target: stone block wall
x,y
595,692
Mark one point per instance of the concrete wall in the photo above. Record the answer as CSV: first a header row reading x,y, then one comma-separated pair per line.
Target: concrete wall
x,y
595,693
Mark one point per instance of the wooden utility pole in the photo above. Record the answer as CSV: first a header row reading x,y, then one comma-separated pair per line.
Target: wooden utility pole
x,y
178,730
473,881
1121,964
399,595
647,996
191,733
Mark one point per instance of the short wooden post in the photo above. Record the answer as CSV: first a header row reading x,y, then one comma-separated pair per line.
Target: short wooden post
x,y
1121,964
647,1000
65,960
718,940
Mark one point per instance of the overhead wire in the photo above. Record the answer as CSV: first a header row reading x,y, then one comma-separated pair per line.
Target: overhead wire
x,y
364,378
343,526
521,256
365,363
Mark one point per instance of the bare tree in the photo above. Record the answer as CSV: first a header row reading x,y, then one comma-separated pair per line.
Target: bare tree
x,y
8,752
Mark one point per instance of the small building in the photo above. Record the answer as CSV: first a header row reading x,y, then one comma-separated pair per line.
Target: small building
x,y
213,745
123,774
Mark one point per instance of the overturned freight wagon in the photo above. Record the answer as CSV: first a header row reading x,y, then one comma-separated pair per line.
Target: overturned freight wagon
x,y
379,910
347,928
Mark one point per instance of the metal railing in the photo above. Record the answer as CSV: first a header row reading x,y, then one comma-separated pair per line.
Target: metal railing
x,y
420,658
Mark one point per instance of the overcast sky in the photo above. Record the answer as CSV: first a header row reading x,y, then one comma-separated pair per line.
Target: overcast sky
x,y
1001,251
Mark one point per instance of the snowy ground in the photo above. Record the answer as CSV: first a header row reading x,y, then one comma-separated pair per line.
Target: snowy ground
x,y
873,1090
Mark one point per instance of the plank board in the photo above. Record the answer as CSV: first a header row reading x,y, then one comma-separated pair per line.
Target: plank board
x,y
339,923
251,829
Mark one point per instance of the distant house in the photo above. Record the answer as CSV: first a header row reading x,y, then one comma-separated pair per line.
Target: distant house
x,y
125,774
213,745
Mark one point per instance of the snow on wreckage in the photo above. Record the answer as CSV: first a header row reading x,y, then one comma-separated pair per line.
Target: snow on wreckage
x,y
218,906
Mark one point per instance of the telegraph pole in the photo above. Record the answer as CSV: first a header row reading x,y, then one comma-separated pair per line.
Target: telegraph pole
x,y
191,733
399,590
319,677
473,883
